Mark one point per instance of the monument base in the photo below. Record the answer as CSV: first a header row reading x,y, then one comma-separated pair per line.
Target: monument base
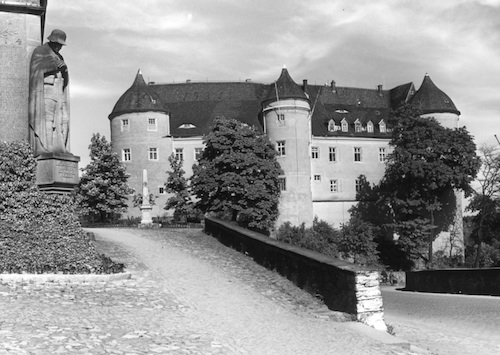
x,y
146,214
57,172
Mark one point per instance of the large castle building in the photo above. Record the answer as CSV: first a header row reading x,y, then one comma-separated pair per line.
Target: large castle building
x,y
326,136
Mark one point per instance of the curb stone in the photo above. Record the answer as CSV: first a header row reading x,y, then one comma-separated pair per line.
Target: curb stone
x,y
386,338
45,278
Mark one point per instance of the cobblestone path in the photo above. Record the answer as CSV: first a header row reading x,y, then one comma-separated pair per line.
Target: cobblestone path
x,y
188,295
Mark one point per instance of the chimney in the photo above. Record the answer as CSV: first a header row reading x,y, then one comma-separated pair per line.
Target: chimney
x,y
304,85
334,86
380,90
188,81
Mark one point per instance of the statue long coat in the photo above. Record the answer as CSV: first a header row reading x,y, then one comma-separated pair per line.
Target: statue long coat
x,y
44,63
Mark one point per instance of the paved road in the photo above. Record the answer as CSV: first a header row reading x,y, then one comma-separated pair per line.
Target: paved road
x,y
188,295
447,324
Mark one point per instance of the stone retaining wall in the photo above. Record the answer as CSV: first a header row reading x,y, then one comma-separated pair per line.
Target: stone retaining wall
x,y
343,286
465,281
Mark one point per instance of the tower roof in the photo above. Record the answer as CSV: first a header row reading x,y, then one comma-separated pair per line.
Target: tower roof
x,y
138,98
430,99
285,88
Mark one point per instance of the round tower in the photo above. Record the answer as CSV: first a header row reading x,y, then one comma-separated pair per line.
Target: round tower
x,y
140,131
435,103
286,112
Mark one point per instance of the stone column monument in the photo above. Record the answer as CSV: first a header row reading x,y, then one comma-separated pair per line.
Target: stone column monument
x,y
21,31
146,206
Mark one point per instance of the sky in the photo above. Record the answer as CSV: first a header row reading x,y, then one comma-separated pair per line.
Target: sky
x,y
356,43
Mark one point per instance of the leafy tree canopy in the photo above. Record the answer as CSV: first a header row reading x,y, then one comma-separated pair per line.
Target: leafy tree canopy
x,y
181,200
103,191
485,202
237,175
416,195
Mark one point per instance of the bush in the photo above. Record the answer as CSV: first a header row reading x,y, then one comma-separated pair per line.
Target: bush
x,y
357,243
39,232
354,242
490,255
320,239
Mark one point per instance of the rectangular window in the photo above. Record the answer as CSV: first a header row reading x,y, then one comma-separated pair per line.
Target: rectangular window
x,y
126,154
161,190
334,186
382,156
332,153
282,183
281,119
153,153
357,154
358,185
315,152
317,177
280,147
179,154
125,125
152,126
197,153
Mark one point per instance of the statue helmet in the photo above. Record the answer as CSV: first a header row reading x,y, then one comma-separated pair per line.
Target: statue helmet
x,y
58,36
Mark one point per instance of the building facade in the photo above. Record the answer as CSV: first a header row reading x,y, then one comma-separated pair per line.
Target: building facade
x,y
326,136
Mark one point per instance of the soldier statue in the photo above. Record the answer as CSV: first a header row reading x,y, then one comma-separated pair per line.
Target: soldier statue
x,y
49,97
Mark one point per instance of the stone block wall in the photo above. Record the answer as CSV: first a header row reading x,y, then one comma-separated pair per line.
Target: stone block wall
x,y
344,287
459,281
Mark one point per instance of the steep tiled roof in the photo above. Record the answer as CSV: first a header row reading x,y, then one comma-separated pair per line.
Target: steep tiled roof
x,y
401,94
430,99
285,88
193,106
337,103
138,98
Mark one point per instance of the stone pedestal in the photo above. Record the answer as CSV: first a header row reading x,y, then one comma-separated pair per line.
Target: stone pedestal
x,y
57,172
146,214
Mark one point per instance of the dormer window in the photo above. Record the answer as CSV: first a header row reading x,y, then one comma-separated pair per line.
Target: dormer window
x,y
187,126
341,111
331,126
345,125
369,127
382,126
357,125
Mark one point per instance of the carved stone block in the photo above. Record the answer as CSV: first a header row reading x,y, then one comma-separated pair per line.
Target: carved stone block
x,y
57,173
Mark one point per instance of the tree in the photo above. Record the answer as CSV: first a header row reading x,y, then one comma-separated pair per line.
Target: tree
x,y
178,185
103,191
137,200
237,175
357,243
486,199
429,162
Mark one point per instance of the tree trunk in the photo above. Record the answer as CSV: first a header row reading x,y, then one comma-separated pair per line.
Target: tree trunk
x,y
479,241
431,239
